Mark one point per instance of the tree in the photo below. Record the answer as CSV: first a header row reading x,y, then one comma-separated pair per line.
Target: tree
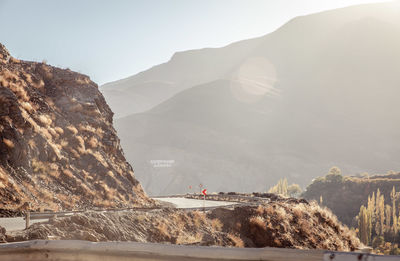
x,y
294,190
364,226
334,175
388,216
335,171
394,216
379,213
281,188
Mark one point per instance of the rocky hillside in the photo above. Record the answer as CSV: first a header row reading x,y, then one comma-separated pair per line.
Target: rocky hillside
x,y
345,195
285,224
58,147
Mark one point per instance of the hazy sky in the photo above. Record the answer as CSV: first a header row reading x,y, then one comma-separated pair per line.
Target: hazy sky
x,y
110,40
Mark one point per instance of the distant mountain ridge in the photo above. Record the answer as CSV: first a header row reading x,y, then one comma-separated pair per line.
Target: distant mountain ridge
x,y
320,91
186,69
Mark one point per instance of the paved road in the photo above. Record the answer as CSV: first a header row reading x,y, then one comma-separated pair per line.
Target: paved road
x,y
16,223
194,203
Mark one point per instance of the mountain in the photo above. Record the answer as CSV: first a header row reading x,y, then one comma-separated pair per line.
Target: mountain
x,y
320,91
58,147
186,69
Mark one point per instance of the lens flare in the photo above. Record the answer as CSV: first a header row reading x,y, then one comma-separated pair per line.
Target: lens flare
x,y
255,79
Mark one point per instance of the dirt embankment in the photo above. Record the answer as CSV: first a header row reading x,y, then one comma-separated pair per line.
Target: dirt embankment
x,y
276,224
58,147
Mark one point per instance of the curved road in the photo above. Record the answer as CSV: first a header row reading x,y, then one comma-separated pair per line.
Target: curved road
x,y
194,203
18,223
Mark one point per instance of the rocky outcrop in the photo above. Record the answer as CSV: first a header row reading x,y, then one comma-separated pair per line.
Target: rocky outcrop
x,y
58,147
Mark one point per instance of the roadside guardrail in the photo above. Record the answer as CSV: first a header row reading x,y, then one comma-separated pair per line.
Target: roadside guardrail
x,y
68,250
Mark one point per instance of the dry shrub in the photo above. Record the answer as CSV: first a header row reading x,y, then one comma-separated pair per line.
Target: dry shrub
x,y
46,134
9,143
38,166
59,130
64,143
27,106
163,230
199,218
99,157
257,222
305,225
53,132
74,153
280,213
297,211
83,80
216,224
93,142
81,145
19,91
68,173
260,209
76,108
269,210
72,129
46,195
100,132
14,60
27,77
110,174
87,128
39,84
237,241
108,192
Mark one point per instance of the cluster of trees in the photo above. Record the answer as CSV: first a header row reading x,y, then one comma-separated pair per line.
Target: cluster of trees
x,y
378,223
282,188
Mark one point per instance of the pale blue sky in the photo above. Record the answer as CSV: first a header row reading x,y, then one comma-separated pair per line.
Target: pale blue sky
x,y
110,40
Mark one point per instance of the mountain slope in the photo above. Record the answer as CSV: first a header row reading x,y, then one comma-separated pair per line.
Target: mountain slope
x,y
58,148
189,68
320,91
